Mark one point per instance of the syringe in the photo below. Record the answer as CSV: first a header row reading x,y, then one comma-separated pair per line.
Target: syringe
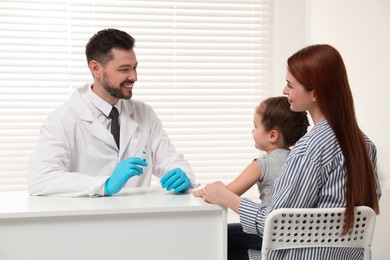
x,y
144,153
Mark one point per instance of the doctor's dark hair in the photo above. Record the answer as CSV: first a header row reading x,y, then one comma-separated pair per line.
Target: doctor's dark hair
x,y
100,45
320,68
276,114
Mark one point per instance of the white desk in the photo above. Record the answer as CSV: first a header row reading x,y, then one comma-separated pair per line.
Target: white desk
x,y
136,224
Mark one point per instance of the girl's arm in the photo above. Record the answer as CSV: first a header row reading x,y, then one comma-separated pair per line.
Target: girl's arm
x,y
248,177
243,182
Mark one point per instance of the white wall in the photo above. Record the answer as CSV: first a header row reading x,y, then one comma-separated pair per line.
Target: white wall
x,y
288,37
360,30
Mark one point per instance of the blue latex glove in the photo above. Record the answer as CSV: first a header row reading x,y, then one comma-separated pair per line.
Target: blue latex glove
x,y
122,173
175,179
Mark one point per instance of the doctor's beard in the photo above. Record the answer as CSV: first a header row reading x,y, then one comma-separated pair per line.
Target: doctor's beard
x,y
115,92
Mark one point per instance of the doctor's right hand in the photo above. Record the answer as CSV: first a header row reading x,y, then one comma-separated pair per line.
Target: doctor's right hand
x,y
122,173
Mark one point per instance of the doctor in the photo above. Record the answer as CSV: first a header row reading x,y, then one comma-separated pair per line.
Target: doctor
x,y
86,148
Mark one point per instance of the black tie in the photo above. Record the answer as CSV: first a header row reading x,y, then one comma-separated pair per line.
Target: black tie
x,y
114,124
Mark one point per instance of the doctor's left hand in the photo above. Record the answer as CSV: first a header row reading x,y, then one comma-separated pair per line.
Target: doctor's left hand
x,y
175,179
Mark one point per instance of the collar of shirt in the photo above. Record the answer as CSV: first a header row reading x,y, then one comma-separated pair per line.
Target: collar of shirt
x,y
101,104
100,108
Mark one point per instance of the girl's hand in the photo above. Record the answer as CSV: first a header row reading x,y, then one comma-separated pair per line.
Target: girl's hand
x,y
198,193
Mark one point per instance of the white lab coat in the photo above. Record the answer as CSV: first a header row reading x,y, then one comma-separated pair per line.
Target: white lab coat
x,y
76,154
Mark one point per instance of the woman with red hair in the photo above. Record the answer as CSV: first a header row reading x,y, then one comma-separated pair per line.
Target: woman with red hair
x,y
333,165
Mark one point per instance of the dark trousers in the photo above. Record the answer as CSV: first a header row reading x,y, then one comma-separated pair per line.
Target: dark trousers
x,y
239,242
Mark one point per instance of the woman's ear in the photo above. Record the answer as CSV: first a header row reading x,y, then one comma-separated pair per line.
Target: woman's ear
x,y
313,96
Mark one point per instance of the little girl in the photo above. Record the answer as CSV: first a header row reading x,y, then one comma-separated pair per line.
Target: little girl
x,y
276,129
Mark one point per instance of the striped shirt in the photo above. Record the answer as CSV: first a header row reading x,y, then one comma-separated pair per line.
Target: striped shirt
x,y
313,177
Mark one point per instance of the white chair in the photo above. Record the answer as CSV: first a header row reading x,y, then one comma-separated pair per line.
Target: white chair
x,y
287,228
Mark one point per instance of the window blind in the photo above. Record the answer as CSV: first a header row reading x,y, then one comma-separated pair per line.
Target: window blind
x,y
203,66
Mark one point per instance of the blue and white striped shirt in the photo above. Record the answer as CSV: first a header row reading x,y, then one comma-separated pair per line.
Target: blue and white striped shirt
x,y
313,177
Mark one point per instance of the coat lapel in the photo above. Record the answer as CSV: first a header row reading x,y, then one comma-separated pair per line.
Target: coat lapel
x,y
100,132
128,126
81,109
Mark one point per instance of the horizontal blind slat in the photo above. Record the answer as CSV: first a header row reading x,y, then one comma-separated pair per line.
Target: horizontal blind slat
x,y
203,66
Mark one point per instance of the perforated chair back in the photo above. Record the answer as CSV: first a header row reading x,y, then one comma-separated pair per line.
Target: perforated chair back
x,y
288,228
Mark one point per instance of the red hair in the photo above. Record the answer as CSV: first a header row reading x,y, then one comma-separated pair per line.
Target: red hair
x,y
321,68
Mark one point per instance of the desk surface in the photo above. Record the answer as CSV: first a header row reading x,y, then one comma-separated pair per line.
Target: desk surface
x,y
132,200
137,223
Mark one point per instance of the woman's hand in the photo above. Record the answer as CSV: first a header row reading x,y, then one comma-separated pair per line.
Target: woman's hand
x,y
218,193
